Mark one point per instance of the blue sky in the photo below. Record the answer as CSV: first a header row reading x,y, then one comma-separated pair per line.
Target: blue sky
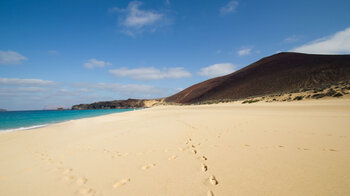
x,y
60,53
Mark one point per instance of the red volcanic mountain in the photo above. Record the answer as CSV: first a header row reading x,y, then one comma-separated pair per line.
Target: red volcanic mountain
x,y
279,73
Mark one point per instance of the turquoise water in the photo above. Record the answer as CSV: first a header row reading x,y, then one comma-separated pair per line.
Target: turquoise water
x,y
22,120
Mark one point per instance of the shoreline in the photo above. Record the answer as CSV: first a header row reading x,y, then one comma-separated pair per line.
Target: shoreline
x,y
38,126
284,148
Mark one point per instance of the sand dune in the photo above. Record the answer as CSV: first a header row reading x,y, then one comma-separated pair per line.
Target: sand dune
x,y
289,148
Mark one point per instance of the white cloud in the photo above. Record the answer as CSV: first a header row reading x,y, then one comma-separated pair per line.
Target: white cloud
x,y
11,57
231,6
135,20
29,89
151,73
123,91
92,63
243,52
139,18
19,94
29,94
179,89
338,43
217,70
18,81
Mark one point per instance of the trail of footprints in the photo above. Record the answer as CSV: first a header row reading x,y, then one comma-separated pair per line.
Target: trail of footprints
x,y
66,175
203,166
190,145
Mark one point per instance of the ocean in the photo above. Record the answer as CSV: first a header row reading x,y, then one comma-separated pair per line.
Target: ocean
x,y
22,120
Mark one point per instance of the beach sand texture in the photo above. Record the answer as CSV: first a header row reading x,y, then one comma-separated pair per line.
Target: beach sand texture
x,y
290,148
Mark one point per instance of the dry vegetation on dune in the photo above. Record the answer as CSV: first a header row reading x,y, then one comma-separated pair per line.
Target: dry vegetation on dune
x,y
340,90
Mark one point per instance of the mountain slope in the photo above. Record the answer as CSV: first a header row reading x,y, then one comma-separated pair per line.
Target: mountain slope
x,y
283,72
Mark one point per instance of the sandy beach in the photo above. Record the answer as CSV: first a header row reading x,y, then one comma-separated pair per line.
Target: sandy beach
x,y
289,148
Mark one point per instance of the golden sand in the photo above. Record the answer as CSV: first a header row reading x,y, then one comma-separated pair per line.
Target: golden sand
x,y
290,148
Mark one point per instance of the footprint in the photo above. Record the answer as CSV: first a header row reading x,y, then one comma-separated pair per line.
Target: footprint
x,y
86,191
172,157
67,171
210,193
332,150
204,167
148,166
204,158
213,180
302,148
121,183
82,181
194,151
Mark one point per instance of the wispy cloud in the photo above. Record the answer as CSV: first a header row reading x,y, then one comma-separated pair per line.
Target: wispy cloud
x,y
151,73
230,7
216,70
92,63
122,91
292,39
134,20
11,57
24,82
16,93
338,43
244,51
133,90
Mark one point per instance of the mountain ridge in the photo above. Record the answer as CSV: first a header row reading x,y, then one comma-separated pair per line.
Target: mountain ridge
x,y
282,72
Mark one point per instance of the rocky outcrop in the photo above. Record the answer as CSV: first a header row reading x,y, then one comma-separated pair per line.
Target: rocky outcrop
x,y
118,104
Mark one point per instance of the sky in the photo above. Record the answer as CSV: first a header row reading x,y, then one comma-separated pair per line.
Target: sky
x,y
65,52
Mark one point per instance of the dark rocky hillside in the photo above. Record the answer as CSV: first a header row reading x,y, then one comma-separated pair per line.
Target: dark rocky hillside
x,y
280,73
117,104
